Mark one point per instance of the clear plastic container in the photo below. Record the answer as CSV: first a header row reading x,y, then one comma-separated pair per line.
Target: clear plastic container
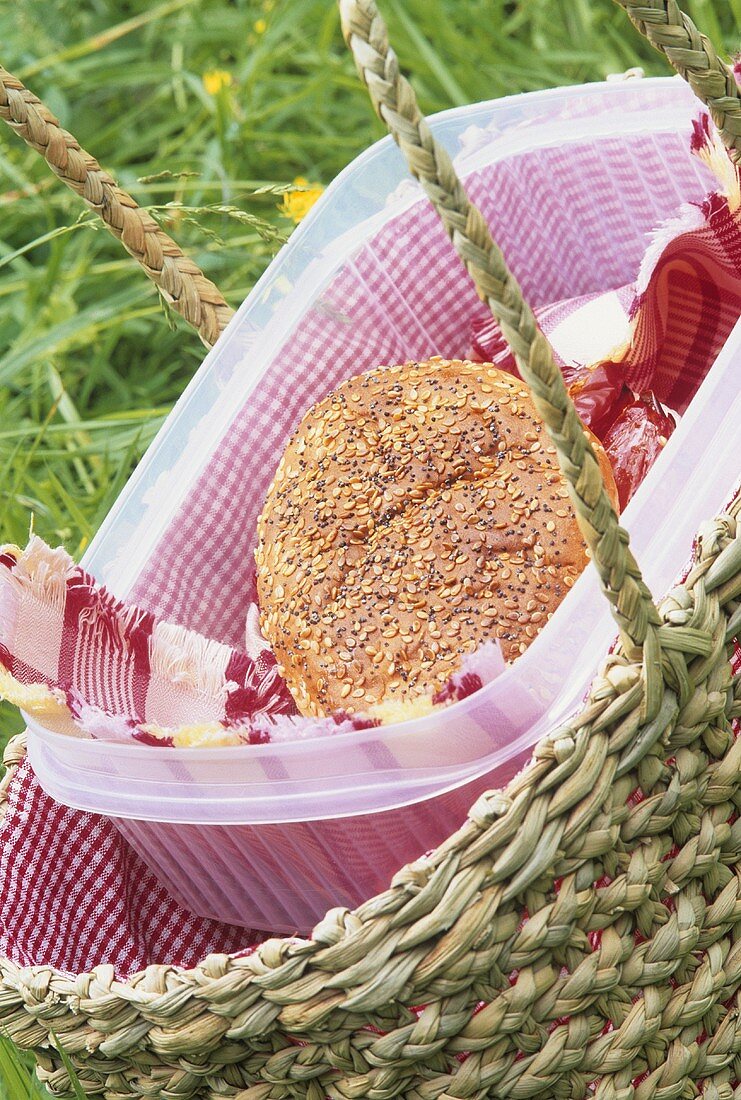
x,y
270,836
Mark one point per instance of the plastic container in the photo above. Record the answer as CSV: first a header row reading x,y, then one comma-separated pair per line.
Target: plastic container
x,y
270,836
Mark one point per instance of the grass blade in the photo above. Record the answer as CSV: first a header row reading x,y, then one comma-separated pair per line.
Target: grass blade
x,y
103,39
77,1088
17,1081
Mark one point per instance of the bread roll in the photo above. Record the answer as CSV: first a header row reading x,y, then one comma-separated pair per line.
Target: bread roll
x,y
418,511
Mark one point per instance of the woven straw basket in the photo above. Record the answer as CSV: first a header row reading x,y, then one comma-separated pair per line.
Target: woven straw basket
x,y
600,935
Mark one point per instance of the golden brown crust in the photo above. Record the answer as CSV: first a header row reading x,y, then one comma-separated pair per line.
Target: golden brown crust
x,y
417,511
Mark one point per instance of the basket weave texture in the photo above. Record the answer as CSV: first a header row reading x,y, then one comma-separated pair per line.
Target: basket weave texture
x,y
579,935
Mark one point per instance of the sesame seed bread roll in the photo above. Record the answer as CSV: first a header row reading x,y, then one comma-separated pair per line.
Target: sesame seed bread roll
x,y
417,512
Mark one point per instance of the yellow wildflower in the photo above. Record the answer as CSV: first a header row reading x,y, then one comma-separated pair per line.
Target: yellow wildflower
x,y
260,26
298,203
215,80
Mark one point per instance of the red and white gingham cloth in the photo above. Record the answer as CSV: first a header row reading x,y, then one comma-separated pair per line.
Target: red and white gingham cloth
x,y
72,893
114,669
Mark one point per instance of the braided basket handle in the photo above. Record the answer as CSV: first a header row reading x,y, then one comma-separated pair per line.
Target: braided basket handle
x,y
674,34
181,282
396,104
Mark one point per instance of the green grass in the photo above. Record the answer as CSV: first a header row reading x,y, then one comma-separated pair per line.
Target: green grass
x,y
89,363
17,1079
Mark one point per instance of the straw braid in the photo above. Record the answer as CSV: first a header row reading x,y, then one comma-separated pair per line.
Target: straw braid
x,y
672,32
395,102
13,757
180,280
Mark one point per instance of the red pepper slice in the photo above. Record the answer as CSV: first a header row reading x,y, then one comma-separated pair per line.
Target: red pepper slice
x,y
489,346
635,440
600,395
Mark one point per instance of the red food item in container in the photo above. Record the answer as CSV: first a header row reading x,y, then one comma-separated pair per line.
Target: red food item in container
x,y
635,440
600,395
489,346
633,429
599,392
